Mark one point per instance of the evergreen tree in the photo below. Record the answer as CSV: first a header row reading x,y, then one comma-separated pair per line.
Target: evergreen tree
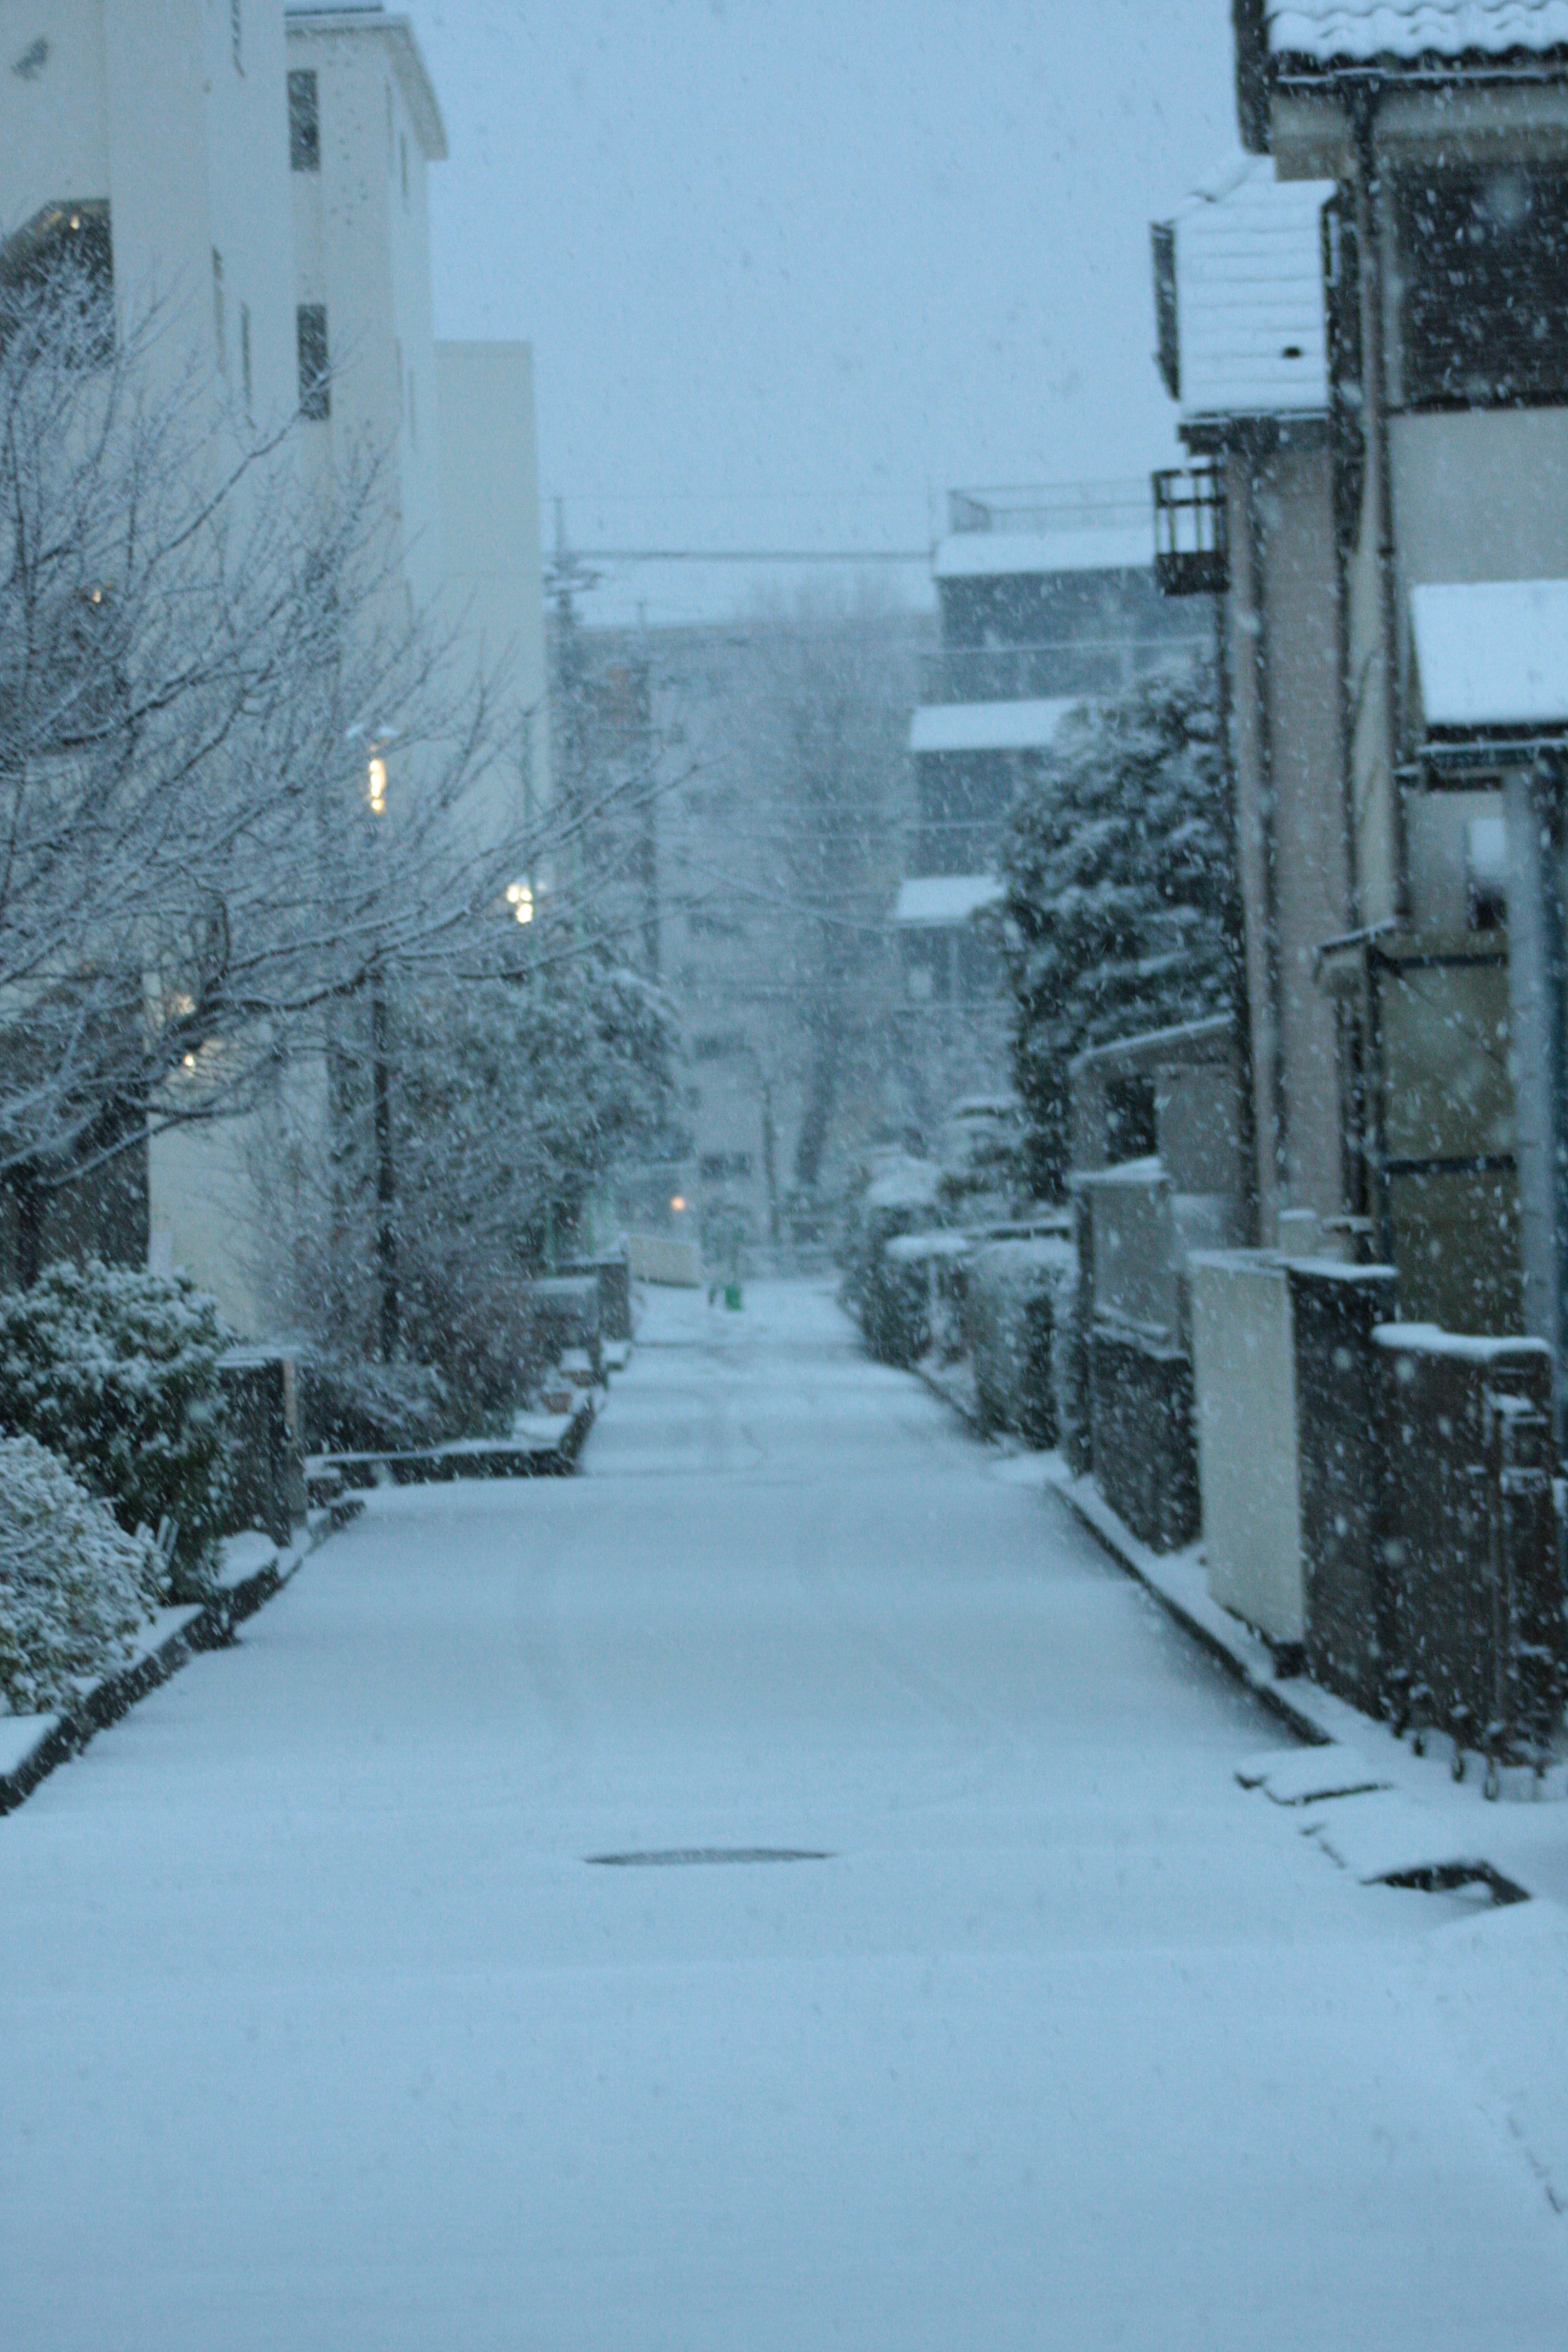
x,y
1121,912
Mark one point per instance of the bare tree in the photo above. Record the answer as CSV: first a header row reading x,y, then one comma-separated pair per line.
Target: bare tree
x,y
235,780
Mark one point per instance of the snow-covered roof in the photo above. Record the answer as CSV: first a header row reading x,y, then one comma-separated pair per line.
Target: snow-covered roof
x,y
1003,554
945,897
1251,336
1492,653
988,726
1328,32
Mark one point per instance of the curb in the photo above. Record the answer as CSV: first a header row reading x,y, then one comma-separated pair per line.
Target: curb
x,y
1242,1654
174,1640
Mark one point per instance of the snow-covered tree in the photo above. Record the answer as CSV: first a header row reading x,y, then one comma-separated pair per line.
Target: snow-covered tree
x,y
1121,912
509,1095
200,657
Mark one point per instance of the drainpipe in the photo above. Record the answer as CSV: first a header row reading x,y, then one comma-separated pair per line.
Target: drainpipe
x,y
1269,826
1236,919
1364,117
1537,1008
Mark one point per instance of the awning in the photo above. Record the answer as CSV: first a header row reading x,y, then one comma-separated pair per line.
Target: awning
x,y
942,898
1492,655
988,726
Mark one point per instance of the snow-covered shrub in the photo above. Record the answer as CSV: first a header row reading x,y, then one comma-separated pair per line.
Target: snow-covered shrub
x,y
117,1371
74,1587
1019,1311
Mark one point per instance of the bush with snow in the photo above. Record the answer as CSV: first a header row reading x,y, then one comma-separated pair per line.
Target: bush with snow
x,y
117,1371
74,1587
1018,1314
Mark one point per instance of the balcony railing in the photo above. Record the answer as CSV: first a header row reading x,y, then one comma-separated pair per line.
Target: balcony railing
x,y
1062,671
1191,557
1034,507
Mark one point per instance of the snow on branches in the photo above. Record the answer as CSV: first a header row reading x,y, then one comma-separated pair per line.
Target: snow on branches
x,y
1120,910
75,1588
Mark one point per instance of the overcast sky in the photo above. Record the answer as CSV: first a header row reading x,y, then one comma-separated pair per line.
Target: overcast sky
x,y
790,267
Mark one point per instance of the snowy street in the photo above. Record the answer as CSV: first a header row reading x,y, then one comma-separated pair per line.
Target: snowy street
x,y
322,2031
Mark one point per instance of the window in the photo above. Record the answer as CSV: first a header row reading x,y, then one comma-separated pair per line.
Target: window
x,y
719,1167
1484,262
220,327
247,374
1132,1132
718,1046
304,123
315,389
72,241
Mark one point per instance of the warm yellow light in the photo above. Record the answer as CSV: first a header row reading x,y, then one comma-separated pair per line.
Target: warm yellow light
x,y
677,1202
190,1061
97,595
519,899
377,787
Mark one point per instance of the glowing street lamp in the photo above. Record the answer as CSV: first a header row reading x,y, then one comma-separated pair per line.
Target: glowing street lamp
x,y
519,899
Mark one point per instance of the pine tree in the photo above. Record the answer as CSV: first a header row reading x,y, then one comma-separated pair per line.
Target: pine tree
x,y
1122,905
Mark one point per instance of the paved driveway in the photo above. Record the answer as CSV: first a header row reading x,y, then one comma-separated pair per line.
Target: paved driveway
x,y
319,2033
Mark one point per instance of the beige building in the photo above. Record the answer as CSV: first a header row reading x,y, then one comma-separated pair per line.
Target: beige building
x,y
1243,347
262,172
1445,129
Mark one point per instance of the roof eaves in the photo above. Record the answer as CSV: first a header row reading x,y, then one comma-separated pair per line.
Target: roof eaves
x,y
408,63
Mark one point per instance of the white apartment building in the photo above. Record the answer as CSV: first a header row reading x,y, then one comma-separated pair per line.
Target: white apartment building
x,y
261,171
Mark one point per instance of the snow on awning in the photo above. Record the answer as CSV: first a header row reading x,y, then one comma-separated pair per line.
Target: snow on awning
x,y
1492,653
988,726
999,554
1250,331
1353,31
945,897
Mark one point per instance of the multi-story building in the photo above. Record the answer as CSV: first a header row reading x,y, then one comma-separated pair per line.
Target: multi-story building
x,y
259,172
1444,130
753,790
1047,597
1243,346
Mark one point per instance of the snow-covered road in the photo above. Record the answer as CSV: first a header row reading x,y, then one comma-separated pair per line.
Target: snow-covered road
x,y
320,2034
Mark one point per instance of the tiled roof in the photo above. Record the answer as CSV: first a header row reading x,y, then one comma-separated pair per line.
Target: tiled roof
x,y
1249,296
1352,32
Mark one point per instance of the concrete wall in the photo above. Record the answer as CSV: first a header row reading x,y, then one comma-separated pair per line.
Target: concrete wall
x,y
490,555
1295,862
148,108
1243,1390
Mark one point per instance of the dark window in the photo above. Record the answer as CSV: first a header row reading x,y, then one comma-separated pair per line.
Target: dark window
x,y
315,390
304,123
1129,1128
1341,297
1168,349
66,250
717,1167
718,1046
1484,258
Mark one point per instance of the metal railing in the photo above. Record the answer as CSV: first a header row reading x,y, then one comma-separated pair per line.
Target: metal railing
x,y
1191,557
1047,507
1065,670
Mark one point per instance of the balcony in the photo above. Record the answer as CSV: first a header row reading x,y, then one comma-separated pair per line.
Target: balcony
x,y
1068,669
1031,509
1191,557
